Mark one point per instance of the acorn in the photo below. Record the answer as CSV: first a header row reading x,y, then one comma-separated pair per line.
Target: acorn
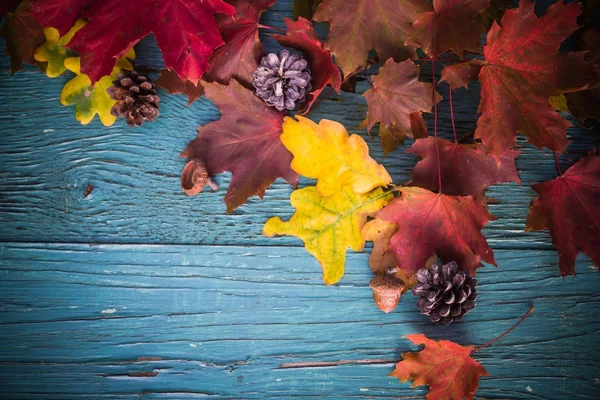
x,y
194,177
387,290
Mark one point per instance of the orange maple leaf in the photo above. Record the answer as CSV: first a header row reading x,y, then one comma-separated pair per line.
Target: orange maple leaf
x,y
447,367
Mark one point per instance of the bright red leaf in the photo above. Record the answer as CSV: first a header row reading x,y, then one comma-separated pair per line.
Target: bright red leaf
x,y
467,170
522,70
114,26
245,141
396,93
451,26
428,223
301,35
357,26
569,207
241,53
172,82
447,367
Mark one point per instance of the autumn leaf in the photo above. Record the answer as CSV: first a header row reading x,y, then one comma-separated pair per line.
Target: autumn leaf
x,y
428,223
245,141
396,94
358,26
304,8
467,170
170,81
239,57
451,26
111,30
88,100
459,75
325,152
569,207
522,71
301,35
380,232
22,34
8,5
54,51
446,367
329,225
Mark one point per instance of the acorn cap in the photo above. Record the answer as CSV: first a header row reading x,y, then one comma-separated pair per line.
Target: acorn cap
x,y
194,177
387,290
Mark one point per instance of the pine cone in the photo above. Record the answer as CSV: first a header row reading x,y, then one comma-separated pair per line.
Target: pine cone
x,y
446,294
137,101
283,80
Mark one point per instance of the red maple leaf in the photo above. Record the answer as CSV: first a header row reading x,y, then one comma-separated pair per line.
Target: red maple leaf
x,y
428,223
174,84
114,26
245,141
522,70
239,57
358,26
467,170
569,207
301,35
459,75
22,33
452,26
447,367
396,94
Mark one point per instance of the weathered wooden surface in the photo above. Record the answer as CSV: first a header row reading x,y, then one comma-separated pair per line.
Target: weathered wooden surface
x,y
184,301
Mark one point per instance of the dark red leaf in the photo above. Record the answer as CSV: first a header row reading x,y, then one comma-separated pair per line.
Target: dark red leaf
x,y
569,207
430,223
467,170
241,53
23,35
245,141
172,82
301,35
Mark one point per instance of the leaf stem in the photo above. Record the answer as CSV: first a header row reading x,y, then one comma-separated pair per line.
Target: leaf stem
x,y
507,332
272,28
437,147
452,117
557,163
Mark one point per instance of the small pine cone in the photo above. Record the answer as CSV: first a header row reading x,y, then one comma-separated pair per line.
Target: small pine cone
x,y
283,80
446,294
137,100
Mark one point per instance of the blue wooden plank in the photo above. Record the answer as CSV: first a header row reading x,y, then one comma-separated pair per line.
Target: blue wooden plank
x,y
225,321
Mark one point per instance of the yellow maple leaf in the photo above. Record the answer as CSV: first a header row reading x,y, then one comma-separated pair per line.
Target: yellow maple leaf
x,y
325,152
88,100
54,51
330,225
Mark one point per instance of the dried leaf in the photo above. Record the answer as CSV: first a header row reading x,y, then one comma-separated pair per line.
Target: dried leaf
x,y
325,152
396,94
447,367
357,26
115,26
451,26
245,141
569,207
172,82
301,35
522,71
467,170
428,223
329,225
22,34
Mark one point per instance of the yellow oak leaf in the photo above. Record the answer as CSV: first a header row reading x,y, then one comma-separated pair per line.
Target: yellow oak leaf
x,y
325,152
329,225
54,51
88,100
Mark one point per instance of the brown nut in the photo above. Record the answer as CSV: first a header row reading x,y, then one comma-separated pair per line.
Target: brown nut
x,y
387,290
194,177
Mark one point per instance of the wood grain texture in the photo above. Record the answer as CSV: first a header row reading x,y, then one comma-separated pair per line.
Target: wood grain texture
x,y
149,314
238,322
